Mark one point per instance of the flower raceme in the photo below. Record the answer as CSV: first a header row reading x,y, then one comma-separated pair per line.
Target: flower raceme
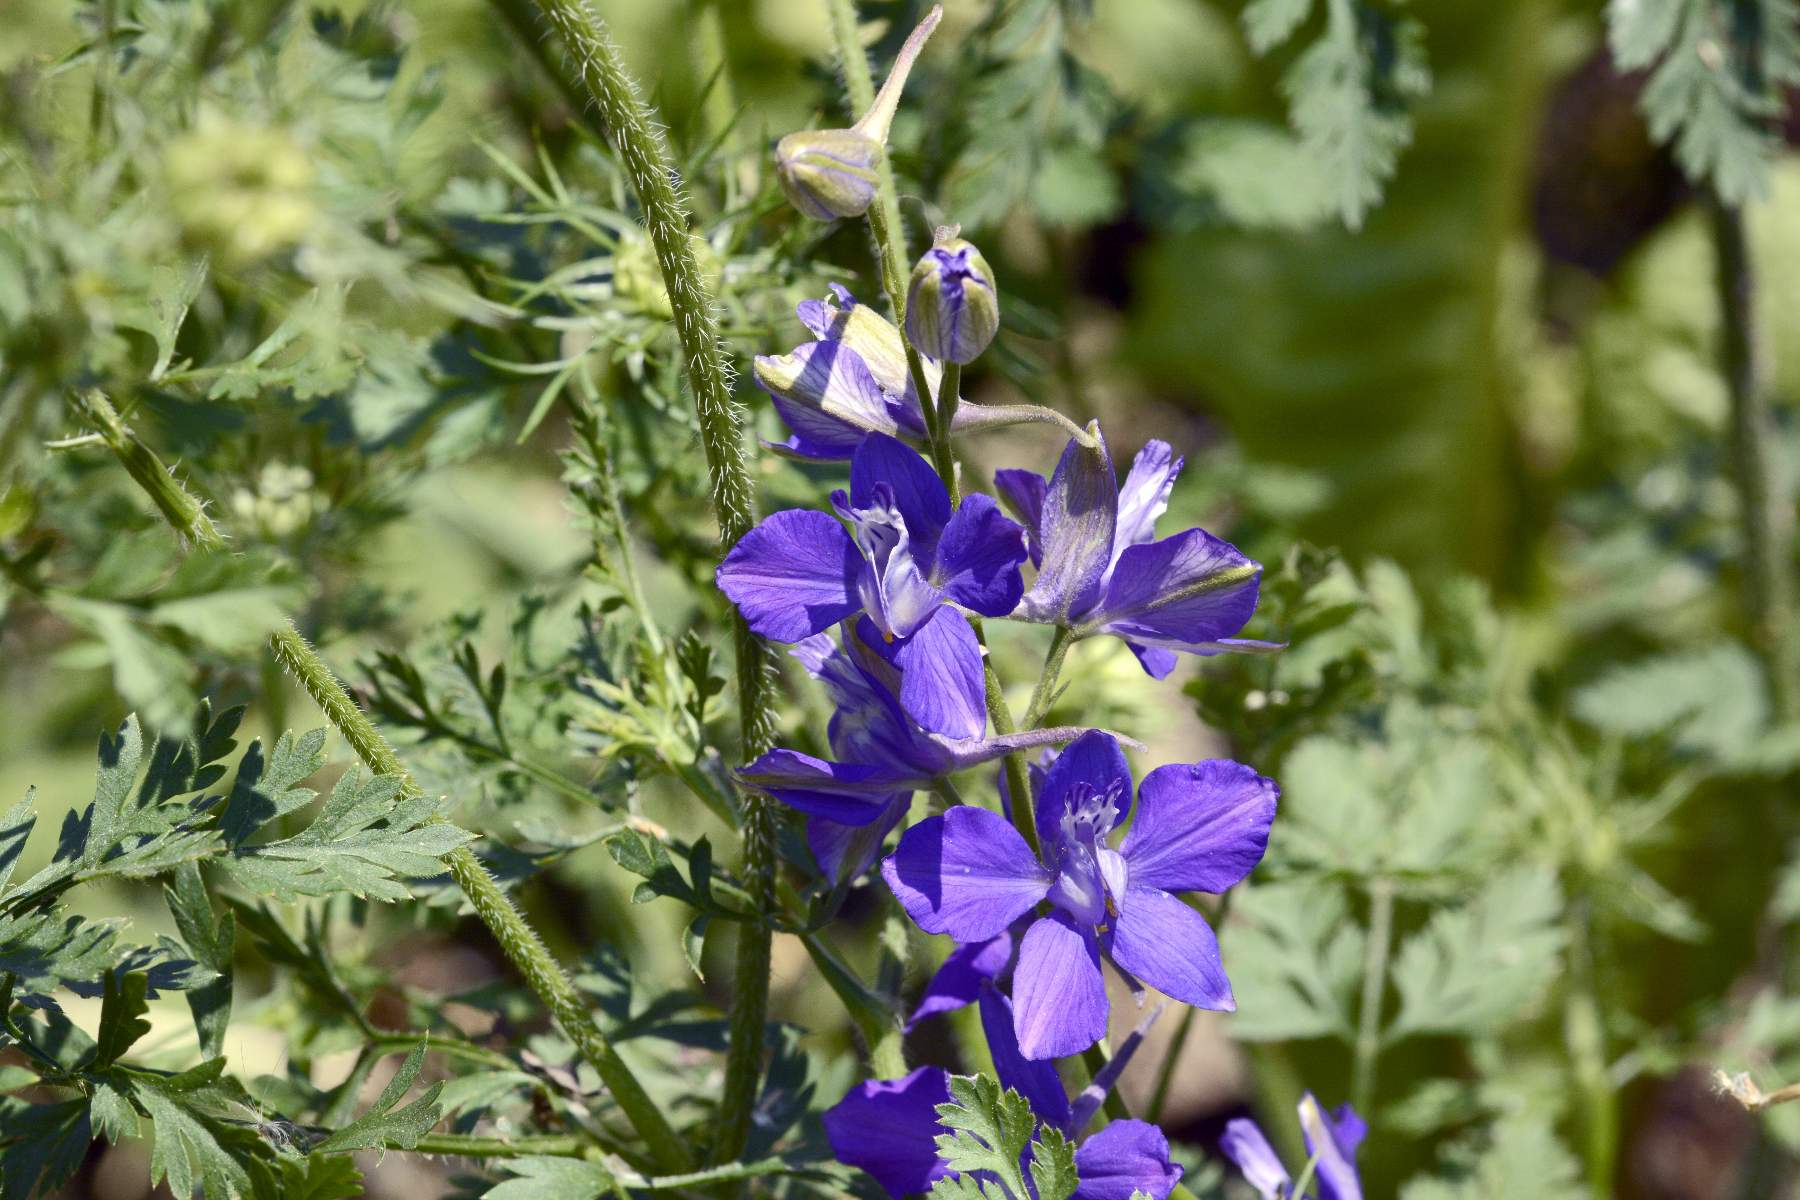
x,y
905,555
1100,569
884,755
1331,1141
1198,827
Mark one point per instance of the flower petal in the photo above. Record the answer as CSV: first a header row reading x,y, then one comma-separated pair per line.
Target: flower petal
x,y
1023,494
919,495
1080,509
1034,1079
842,850
978,558
959,981
1144,496
1333,1141
1156,661
1183,593
793,575
1059,997
1244,1143
966,873
941,684
849,793
874,339
1125,1158
1170,947
815,436
1200,827
1092,763
889,1128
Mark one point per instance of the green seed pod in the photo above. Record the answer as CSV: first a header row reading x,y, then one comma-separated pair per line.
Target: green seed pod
x,y
952,308
828,173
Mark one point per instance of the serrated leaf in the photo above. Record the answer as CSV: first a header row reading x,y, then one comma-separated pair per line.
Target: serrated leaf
x,y
186,1150
540,1178
211,937
1639,31
1053,1165
1295,958
385,1125
1521,1160
1713,699
1474,969
988,1130
40,1145
122,1011
268,788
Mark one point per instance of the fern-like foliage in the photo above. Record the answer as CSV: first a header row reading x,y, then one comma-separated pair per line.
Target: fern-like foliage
x,y
1718,70
1348,90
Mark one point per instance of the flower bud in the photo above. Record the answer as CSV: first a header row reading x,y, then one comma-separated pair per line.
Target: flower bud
x,y
832,173
828,173
952,309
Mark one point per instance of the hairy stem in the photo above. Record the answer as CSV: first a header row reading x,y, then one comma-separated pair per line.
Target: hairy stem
x,y
523,948
1374,987
1585,1036
184,513
468,1145
1765,505
647,162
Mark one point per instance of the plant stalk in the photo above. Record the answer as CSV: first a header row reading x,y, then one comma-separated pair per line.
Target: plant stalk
x,y
517,938
647,162
1765,502
1374,987
1044,694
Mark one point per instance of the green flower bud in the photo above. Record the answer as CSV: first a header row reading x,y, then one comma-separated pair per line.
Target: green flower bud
x,y
952,309
828,173
832,173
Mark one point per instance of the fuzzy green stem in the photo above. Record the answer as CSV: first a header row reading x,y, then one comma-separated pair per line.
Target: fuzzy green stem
x,y
948,398
520,942
1765,505
1585,1036
1044,694
648,164
1018,780
185,513
1374,987
468,1145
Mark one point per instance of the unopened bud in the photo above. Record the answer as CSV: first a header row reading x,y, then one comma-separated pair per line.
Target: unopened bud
x,y
952,309
832,173
828,173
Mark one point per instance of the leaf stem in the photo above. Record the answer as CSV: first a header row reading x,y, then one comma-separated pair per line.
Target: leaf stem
x,y
1374,987
1044,694
647,163
515,935
1584,1033
1765,503
469,1145
1018,779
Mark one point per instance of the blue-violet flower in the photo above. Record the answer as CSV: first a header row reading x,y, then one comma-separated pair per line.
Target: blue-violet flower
x,y
1331,1141
1199,827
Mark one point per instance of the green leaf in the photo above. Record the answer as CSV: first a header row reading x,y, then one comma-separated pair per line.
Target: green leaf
x,y
1520,1160
211,937
539,1178
1474,969
1268,23
1053,1165
1295,959
187,1150
989,1130
367,840
1348,94
1712,700
40,1145
122,1021
268,789
386,1126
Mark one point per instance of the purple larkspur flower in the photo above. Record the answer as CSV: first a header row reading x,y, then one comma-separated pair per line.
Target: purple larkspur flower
x,y
1101,569
1199,827
884,753
850,381
905,557
889,1127
1331,1141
